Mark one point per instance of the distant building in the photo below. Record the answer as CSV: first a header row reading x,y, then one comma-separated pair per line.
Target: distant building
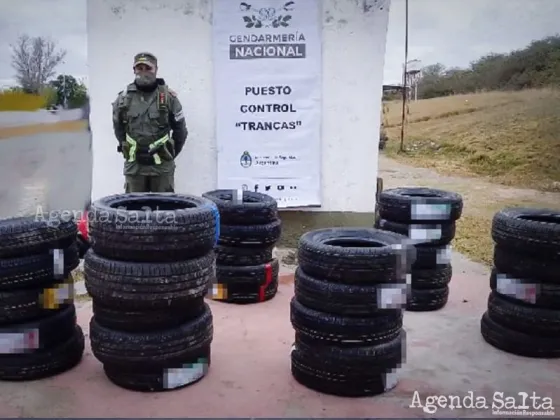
x,y
389,89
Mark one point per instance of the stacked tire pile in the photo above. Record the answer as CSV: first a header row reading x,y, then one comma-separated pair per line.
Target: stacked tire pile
x,y
427,216
523,315
39,336
347,312
246,271
148,270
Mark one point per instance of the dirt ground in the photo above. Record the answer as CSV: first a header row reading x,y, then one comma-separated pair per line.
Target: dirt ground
x,y
509,137
481,200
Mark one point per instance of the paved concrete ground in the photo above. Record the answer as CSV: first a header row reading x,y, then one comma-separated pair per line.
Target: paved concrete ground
x,y
51,170
250,372
42,116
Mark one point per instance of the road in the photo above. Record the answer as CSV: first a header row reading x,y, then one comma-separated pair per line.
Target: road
x,y
44,172
52,171
477,193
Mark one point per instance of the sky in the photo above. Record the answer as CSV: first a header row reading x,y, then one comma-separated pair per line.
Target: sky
x,y
451,32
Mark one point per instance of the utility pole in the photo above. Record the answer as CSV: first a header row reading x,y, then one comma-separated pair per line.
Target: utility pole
x,y
404,86
64,94
64,97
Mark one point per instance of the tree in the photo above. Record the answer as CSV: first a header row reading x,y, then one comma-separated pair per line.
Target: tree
x,y
34,60
70,92
433,71
80,97
534,66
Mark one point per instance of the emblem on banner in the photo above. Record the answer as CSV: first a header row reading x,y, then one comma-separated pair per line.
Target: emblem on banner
x,y
246,160
266,17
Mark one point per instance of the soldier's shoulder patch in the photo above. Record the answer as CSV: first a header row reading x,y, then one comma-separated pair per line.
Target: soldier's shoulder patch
x,y
172,92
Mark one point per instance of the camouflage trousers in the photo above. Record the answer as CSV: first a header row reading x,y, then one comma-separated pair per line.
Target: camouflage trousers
x,y
150,183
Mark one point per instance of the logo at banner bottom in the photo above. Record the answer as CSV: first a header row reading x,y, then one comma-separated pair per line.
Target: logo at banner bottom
x,y
246,160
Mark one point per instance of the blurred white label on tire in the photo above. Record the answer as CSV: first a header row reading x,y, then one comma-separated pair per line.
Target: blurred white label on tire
x,y
18,343
391,296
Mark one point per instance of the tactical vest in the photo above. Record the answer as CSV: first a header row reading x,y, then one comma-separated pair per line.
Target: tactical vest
x,y
158,150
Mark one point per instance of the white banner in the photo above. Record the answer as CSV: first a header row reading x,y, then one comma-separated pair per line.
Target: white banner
x,y
268,65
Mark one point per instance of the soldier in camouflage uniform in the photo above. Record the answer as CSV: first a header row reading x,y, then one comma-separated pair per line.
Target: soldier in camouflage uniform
x,y
150,127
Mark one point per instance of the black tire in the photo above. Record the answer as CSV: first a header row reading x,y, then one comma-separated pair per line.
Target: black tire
x,y
518,343
185,227
346,299
252,274
432,257
523,318
244,293
46,362
518,264
83,246
251,235
151,351
19,306
139,286
421,234
315,326
238,256
128,320
23,236
530,231
351,372
36,270
435,278
190,371
530,292
418,204
256,209
40,334
425,300
355,255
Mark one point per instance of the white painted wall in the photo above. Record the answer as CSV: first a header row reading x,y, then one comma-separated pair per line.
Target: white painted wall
x,y
179,33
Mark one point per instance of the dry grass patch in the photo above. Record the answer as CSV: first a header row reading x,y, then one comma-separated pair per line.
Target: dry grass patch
x,y
474,228
511,137
78,275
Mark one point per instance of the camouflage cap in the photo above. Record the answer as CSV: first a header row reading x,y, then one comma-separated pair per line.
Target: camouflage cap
x,y
145,58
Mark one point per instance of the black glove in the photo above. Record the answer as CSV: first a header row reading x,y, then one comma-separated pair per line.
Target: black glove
x,y
119,148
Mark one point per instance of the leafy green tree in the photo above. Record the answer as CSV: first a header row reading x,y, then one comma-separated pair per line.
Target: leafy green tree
x,y
69,91
537,65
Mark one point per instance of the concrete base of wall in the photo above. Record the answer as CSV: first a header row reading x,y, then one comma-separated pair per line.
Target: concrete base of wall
x,y
296,223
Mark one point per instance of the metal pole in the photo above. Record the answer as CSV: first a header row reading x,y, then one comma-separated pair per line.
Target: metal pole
x,y
405,93
64,101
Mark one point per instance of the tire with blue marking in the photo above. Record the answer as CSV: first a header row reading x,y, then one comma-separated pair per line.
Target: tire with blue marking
x,y
254,209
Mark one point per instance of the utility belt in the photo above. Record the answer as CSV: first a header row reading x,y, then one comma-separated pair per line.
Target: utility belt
x,y
153,154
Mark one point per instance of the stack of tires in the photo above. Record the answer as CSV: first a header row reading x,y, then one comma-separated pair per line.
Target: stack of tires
x,y
246,271
350,289
427,216
39,336
523,315
148,270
